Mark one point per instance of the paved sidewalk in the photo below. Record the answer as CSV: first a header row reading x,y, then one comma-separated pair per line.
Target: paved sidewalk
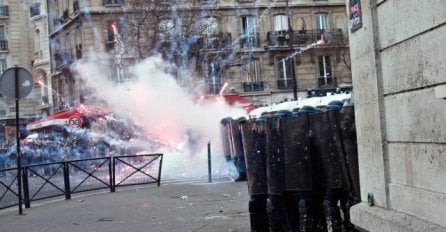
x,y
175,206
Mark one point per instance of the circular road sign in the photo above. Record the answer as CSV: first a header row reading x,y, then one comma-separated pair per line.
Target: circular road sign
x,y
75,122
8,82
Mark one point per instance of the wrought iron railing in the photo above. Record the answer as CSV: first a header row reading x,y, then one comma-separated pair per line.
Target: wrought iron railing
x,y
8,188
249,40
325,81
253,86
215,41
278,38
285,84
305,37
43,181
112,2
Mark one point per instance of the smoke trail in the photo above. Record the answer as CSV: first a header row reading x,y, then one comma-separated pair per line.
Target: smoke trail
x,y
163,111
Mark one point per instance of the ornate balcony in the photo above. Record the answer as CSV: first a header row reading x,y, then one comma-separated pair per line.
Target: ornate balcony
x,y
285,84
253,86
302,38
249,40
278,38
215,41
325,81
112,2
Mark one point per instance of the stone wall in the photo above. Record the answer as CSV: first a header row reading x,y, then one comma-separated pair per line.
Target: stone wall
x,y
397,62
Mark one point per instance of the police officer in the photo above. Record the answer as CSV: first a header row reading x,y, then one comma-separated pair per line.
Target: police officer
x,y
253,136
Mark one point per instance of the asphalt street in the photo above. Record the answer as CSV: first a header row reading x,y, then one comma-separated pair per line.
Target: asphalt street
x,y
192,206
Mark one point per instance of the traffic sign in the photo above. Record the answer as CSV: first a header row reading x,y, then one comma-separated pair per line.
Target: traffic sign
x,y
8,82
75,122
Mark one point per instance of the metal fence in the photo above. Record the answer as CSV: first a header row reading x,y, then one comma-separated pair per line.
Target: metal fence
x,y
43,181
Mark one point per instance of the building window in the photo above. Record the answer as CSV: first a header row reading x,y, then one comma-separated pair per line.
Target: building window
x,y
325,76
214,80
252,80
3,9
321,21
3,66
248,25
251,71
281,23
285,67
78,42
3,41
34,9
114,29
248,36
111,28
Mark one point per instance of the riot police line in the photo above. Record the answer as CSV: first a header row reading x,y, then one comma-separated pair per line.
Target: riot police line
x,y
302,168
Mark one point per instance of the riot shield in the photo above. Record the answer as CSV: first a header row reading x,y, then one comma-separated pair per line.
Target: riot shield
x,y
334,119
348,132
326,154
235,139
274,157
224,134
296,151
253,137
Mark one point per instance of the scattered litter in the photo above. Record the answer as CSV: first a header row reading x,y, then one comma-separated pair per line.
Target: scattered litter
x,y
216,217
105,220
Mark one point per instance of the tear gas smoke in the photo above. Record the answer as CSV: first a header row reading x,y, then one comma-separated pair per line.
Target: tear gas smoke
x,y
170,120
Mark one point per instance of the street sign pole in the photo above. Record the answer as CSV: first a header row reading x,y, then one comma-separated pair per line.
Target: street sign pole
x,y
17,83
17,129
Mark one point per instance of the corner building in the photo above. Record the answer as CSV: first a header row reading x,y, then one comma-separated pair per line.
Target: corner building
x,y
262,49
398,70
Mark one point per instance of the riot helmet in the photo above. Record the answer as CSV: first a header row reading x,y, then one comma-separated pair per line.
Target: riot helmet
x,y
283,114
334,105
225,121
305,110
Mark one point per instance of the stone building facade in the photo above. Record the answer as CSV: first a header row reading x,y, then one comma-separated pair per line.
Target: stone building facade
x,y
267,47
17,48
398,70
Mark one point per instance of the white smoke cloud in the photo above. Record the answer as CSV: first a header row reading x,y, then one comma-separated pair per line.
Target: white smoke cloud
x,y
164,111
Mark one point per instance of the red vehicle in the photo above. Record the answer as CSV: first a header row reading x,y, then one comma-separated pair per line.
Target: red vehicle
x,y
231,99
76,117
